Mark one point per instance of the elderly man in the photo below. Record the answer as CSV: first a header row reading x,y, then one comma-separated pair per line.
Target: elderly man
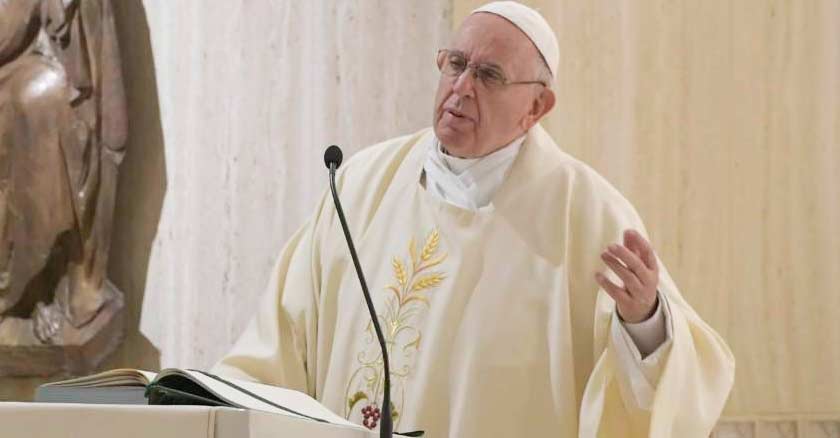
x,y
518,294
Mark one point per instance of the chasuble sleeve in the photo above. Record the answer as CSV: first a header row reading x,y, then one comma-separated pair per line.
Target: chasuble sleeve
x,y
682,390
640,370
649,335
640,351
275,347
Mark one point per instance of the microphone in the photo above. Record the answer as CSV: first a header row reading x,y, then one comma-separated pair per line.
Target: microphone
x,y
332,159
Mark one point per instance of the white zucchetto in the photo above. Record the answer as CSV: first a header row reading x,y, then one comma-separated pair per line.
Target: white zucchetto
x,y
532,24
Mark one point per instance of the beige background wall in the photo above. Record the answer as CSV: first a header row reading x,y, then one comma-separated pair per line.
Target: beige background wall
x,y
720,120
250,94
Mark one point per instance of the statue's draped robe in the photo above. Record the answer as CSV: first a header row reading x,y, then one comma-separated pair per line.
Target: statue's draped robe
x,y
62,134
495,324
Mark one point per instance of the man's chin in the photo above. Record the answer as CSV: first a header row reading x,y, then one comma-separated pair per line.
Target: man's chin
x,y
452,139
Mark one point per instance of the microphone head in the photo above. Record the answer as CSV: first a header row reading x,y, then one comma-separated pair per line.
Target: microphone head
x,y
333,155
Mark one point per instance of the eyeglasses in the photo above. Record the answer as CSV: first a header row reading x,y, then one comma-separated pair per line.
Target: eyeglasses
x,y
454,63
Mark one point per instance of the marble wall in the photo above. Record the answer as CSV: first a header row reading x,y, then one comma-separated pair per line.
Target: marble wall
x,y
250,93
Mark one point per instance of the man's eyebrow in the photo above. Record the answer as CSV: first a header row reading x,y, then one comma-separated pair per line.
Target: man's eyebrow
x,y
484,64
492,64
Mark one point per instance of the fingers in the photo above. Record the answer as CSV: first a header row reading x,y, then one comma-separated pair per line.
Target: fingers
x,y
634,241
635,264
631,261
616,292
631,280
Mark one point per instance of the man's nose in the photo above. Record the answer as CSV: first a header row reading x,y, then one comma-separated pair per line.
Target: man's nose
x,y
464,84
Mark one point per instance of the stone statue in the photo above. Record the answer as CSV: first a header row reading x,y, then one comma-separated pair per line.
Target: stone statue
x,y
62,136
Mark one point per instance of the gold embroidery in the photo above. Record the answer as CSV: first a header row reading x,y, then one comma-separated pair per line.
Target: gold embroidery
x,y
403,304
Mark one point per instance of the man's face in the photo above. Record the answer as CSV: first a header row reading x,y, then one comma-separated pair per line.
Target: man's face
x,y
472,120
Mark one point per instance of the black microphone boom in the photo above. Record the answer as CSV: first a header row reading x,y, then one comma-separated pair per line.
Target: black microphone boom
x,y
332,159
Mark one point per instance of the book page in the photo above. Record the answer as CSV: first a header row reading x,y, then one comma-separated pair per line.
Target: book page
x,y
116,377
287,398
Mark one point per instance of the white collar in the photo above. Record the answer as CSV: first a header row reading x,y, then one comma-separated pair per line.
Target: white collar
x,y
468,183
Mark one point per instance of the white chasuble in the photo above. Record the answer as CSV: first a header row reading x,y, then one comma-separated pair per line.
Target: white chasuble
x,y
494,322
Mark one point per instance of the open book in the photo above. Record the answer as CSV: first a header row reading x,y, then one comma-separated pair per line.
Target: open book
x,y
174,386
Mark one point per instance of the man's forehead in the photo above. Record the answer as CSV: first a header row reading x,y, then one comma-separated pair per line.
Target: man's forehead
x,y
488,35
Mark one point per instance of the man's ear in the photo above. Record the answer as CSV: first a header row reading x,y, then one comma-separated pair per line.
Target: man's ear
x,y
541,105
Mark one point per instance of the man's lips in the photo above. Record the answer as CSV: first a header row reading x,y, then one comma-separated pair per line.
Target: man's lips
x,y
457,114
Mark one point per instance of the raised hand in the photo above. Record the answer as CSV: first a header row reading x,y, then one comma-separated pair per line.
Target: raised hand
x,y
635,264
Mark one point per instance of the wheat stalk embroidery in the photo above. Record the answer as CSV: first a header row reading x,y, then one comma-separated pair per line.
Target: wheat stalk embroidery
x,y
414,279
